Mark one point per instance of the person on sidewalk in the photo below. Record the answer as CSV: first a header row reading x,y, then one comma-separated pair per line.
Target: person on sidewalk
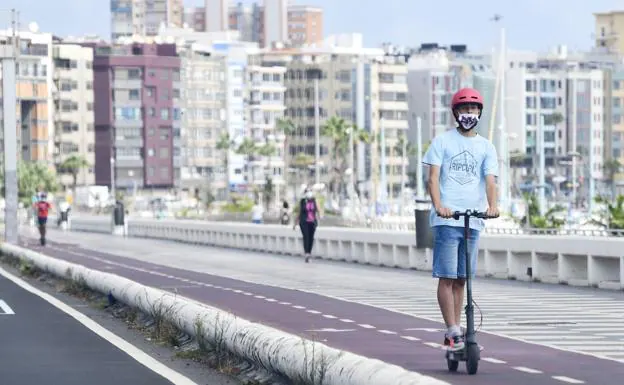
x,y
308,221
257,213
463,167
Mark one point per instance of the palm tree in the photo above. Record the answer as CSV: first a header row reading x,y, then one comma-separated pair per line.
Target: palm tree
x,y
614,214
287,128
31,178
612,167
72,166
338,131
404,149
536,221
248,148
225,143
268,150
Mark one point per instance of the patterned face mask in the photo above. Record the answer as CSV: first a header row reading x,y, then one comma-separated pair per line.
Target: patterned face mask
x,y
468,121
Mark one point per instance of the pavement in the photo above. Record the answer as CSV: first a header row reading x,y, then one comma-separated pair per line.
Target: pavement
x,y
40,344
381,313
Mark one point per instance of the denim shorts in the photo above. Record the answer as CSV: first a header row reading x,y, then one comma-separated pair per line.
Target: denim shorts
x,y
449,257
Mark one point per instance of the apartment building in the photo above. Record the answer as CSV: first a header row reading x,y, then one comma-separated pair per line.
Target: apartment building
x,y
360,85
137,115
433,78
144,17
298,25
266,93
609,31
203,102
74,129
35,108
614,119
391,89
569,93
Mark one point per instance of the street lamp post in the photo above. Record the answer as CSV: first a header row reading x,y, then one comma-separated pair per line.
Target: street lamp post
x,y
8,57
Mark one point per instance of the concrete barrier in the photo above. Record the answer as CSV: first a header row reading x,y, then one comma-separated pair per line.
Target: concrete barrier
x,y
569,260
299,360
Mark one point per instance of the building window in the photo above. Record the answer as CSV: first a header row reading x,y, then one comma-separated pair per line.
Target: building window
x,y
164,113
134,95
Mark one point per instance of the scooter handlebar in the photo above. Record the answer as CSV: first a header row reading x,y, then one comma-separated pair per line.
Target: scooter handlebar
x,y
473,213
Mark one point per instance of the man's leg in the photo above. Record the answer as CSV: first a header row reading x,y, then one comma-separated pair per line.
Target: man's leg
x,y
445,251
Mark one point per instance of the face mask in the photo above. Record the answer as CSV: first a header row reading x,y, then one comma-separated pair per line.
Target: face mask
x,y
468,121
309,195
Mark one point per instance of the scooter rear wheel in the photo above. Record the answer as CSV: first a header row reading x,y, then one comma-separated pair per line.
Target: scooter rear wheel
x,y
472,359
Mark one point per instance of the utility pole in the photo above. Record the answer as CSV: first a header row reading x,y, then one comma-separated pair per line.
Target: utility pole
x,y
8,55
317,130
420,191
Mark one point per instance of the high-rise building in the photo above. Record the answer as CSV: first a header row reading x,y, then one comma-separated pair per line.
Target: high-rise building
x,y
360,85
266,91
275,21
137,114
216,15
305,25
614,115
609,33
298,25
144,17
203,78
35,108
74,129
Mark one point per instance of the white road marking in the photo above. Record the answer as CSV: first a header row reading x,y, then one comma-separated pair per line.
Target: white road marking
x,y
410,338
131,350
568,380
527,370
6,309
494,360
366,326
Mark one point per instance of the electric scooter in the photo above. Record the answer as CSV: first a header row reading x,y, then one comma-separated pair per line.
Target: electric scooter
x,y
471,352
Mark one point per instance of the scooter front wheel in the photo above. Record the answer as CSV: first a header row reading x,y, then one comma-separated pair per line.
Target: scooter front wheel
x,y
452,365
472,359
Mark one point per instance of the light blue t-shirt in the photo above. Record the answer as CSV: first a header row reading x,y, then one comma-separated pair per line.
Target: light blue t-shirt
x,y
464,162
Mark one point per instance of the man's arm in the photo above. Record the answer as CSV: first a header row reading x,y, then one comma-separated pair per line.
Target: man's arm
x,y
490,170
434,186
491,191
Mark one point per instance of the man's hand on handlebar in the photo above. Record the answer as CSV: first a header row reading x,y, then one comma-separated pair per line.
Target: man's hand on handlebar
x,y
444,212
492,212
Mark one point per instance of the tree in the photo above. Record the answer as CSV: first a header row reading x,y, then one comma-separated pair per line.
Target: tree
x,y
268,150
287,128
404,149
224,143
536,221
72,166
612,167
613,215
32,177
248,148
338,131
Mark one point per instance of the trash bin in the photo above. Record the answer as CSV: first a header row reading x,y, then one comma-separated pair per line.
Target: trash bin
x,y
119,214
424,235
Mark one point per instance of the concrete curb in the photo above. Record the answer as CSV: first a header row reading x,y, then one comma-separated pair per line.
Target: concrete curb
x,y
300,360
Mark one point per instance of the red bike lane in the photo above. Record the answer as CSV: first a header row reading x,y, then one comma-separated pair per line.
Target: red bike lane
x,y
404,340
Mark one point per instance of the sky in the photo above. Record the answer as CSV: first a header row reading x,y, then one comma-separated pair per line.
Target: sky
x,y
536,25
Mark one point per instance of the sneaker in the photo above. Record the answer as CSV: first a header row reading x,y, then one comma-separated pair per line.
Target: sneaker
x,y
454,343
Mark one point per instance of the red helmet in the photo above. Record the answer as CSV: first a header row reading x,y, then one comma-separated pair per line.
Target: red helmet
x,y
467,95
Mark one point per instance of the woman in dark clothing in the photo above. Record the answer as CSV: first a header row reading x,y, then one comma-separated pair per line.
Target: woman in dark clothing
x,y
308,221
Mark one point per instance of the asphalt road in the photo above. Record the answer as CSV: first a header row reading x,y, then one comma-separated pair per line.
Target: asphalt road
x,y
41,344
406,340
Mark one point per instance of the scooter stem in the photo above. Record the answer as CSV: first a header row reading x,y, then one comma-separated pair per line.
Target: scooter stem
x,y
470,334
